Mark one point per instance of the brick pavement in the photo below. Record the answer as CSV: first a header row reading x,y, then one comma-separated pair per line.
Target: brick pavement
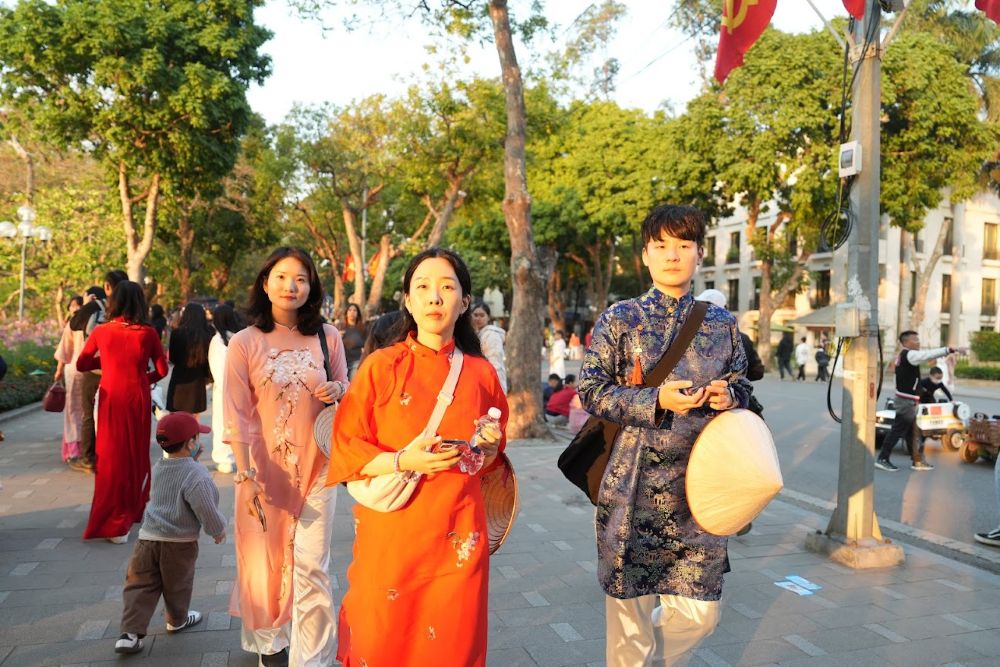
x,y
60,597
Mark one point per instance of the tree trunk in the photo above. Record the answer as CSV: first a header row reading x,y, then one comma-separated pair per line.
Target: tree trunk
x,y
29,170
555,306
903,307
957,263
378,280
524,340
453,199
328,249
924,279
137,249
185,235
220,278
354,243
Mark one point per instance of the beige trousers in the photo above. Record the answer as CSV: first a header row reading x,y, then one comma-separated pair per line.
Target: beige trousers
x,y
656,629
311,635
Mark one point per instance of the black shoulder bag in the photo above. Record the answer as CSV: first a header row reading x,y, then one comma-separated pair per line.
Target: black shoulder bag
x,y
584,460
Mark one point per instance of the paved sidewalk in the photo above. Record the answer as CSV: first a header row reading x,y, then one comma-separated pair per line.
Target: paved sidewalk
x,y
60,597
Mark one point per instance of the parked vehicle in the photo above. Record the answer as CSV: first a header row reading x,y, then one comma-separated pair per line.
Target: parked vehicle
x,y
983,440
945,421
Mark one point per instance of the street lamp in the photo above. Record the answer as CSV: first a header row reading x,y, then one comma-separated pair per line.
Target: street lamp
x,y
27,229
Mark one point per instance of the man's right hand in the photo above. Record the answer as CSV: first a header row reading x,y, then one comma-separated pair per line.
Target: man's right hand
x,y
671,398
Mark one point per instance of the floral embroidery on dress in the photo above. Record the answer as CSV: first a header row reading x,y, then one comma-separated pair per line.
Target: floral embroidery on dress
x,y
431,633
465,547
392,595
404,399
287,370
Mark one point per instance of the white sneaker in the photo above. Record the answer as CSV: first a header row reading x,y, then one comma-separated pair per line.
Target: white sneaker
x,y
193,618
128,643
121,539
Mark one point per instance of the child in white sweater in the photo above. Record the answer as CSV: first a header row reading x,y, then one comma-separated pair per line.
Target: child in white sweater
x,y
183,499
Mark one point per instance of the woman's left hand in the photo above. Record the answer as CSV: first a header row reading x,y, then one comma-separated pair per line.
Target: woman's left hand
x,y
720,396
488,440
330,392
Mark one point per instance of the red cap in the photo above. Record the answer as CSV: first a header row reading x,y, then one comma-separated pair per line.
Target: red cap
x,y
177,427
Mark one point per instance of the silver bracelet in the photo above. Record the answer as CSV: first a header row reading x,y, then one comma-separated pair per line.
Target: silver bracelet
x,y
395,462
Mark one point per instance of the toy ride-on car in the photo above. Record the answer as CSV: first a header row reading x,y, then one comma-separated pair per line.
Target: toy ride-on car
x,y
946,421
983,439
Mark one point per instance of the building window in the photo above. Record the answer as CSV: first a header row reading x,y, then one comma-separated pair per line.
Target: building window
x,y
945,332
918,241
733,255
913,288
949,236
945,292
821,289
756,294
734,295
709,284
881,281
988,306
709,251
991,242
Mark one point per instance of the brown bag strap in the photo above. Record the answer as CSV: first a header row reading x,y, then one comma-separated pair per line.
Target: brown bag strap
x,y
679,346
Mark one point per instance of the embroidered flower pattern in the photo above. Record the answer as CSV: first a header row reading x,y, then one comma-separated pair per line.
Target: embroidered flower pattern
x,y
404,399
392,595
431,633
464,548
287,370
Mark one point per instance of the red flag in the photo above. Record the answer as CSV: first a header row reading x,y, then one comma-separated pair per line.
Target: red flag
x,y
348,275
991,7
855,8
743,21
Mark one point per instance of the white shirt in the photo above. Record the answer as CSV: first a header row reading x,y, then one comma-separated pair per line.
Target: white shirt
x,y
802,353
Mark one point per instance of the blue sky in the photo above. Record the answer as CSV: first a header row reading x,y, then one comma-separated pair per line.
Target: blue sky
x,y
312,67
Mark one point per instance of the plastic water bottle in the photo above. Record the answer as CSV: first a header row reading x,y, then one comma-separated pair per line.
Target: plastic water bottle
x,y
490,424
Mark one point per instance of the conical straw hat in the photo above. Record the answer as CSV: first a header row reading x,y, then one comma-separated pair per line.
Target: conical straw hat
x,y
501,499
733,472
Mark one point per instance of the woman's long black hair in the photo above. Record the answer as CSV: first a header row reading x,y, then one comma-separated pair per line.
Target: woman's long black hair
x,y
259,310
227,321
128,302
197,334
465,335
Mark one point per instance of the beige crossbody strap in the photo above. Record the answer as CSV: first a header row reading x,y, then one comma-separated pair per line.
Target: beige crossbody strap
x,y
447,394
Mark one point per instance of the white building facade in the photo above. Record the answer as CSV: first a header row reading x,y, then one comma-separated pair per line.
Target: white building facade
x,y
970,279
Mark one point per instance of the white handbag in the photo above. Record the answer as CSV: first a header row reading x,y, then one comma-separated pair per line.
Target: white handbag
x,y
391,491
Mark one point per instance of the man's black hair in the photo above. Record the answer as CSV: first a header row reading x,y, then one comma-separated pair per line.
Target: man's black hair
x,y
555,376
681,222
907,334
98,292
935,370
570,378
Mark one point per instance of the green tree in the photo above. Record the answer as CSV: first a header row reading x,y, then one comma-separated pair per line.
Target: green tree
x,y
775,155
933,144
155,92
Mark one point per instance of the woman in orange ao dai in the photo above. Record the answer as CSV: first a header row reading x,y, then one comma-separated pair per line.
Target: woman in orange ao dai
x,y
418,581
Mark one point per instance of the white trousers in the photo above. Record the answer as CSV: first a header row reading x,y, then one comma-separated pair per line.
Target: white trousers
x,y
311,637
656,629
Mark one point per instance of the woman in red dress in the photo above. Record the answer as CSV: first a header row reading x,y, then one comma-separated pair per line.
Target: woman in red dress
x,y
122,348
418,581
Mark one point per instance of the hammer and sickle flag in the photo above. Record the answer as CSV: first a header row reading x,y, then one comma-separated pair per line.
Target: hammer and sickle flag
x,y
743,21
991,7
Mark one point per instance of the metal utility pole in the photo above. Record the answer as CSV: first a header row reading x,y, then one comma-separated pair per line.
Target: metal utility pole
x,y
853,536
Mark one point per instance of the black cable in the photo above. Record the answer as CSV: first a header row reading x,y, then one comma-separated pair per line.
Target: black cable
x,y
829,380
829,383
836,227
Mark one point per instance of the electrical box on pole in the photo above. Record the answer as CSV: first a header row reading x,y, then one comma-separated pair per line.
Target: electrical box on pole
x,y
853,536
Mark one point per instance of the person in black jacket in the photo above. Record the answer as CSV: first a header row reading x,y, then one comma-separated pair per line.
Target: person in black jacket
x,y
188,387
785,349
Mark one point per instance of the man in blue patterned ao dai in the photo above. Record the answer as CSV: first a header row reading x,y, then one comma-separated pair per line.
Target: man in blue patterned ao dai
x,y
662,574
